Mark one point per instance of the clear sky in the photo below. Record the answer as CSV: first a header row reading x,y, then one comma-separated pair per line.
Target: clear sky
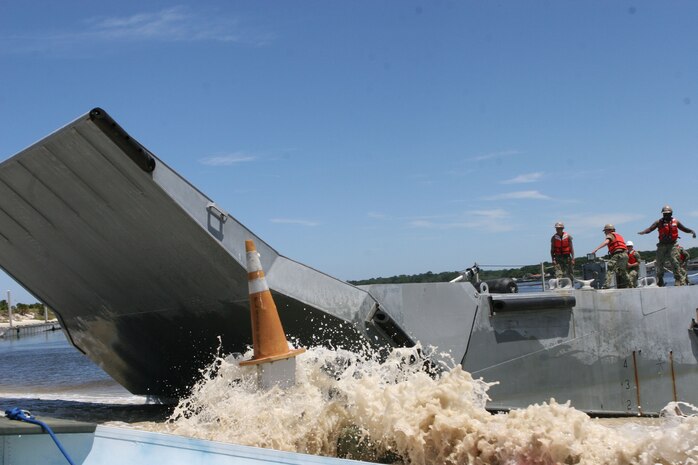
x,y
372,138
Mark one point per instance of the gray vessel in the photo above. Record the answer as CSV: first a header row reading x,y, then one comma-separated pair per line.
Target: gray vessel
x,y
148,278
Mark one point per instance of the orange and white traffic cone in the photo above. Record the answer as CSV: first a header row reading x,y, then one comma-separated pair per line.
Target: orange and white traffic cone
x,y
268,337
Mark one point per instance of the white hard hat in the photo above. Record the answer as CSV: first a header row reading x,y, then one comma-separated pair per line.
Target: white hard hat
x,y
630,244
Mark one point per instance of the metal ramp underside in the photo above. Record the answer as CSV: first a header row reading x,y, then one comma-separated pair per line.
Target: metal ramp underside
x,y
144,271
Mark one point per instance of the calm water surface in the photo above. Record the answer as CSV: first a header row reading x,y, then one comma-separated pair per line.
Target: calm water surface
x,y
44,374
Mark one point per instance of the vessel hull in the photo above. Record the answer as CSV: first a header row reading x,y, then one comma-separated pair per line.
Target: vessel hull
x,y
148,278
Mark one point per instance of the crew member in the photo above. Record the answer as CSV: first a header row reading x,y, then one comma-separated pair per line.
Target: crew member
x,y
668,228
633,263
684,257
618,262
562,253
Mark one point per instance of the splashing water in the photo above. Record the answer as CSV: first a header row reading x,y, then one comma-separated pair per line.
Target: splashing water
x,y
393,409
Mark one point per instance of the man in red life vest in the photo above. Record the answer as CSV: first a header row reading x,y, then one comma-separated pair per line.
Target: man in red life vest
x,y
633,263
668,228
562,253
618,262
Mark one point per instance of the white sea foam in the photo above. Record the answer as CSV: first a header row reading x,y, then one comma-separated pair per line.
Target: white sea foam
x,y
349,404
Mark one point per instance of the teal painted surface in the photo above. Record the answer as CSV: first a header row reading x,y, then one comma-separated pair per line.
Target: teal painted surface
x,y
118,446
34,449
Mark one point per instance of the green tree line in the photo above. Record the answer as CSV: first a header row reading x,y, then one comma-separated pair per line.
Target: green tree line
x,y
518,273
36,309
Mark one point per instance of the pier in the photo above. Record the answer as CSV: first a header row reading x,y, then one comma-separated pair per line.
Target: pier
x,y
18,331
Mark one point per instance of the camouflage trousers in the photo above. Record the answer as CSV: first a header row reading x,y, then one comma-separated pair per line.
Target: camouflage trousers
x,y
632,276
619,265
563,267
670,252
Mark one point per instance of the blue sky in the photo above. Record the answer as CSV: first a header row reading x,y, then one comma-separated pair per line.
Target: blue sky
x,y
375,138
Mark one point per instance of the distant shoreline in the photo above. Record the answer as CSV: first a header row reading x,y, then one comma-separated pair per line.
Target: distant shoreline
x,y
26,322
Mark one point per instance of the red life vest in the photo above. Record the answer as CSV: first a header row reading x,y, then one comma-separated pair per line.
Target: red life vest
x,y
632,258
668,230
562,245
617,244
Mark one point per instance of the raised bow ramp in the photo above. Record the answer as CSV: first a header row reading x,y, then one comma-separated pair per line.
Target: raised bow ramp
x,y
145,271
